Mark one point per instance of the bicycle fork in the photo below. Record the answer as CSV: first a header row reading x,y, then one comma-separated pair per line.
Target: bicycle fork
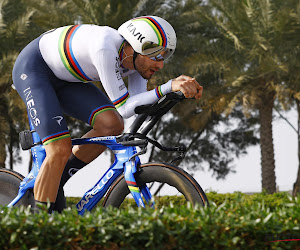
x,y
137,190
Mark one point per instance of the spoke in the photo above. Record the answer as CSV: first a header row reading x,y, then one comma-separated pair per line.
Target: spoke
x,y
159,188
151,185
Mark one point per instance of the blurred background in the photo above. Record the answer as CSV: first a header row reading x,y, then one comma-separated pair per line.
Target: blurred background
x,y
244,133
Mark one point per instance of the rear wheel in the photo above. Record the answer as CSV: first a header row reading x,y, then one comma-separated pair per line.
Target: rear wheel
x,y
177,181
9,187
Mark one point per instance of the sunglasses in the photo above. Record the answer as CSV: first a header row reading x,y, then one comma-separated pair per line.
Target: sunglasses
x,y
156,52
157,58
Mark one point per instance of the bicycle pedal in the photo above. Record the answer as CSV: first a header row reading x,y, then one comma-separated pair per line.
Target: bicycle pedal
x,y
25,138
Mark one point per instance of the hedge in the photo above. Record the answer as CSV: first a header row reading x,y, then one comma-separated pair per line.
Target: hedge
x,y
240,222
271,200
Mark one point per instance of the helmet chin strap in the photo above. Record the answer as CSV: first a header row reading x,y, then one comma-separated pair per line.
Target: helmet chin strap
x,y
135,54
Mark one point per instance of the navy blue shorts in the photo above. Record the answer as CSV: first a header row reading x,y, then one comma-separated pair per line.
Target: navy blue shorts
x,y
48,98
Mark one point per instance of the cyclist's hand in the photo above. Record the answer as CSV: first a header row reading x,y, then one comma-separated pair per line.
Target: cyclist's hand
x,y
188,86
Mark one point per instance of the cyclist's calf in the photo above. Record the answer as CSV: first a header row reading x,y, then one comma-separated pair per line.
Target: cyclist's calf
x,y
48,179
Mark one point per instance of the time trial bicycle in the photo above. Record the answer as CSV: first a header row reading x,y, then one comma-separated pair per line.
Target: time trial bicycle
x,y
126,175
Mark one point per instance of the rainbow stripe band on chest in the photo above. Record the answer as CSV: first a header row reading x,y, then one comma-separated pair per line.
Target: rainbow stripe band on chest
x,y
66,53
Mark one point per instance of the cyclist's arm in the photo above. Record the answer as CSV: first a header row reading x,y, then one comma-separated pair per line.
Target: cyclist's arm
x,y
136,84
106,63
148,97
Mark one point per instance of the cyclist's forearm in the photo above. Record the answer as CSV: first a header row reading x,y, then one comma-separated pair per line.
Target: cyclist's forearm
x,y
149,97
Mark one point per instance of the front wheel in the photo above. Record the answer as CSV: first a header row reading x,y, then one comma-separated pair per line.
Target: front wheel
x,y
9,187
177,182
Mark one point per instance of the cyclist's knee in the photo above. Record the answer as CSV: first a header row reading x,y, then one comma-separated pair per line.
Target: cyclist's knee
x,y
109,123
60,149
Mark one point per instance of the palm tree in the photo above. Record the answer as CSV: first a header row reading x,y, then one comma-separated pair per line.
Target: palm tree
x,y
52,14
14,22
243,47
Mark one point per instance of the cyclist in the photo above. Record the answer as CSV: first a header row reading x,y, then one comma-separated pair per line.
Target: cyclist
x,y
54,73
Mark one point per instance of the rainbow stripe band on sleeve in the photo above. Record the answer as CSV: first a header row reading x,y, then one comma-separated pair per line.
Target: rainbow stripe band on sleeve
x,y
133,187
56,137
97,111
66,53
121,101
158,92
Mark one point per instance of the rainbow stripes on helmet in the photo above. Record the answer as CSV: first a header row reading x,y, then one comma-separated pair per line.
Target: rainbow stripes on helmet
x,y
158,29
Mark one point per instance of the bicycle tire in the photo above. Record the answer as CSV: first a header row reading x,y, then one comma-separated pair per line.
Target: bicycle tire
x,y
162,173
9,187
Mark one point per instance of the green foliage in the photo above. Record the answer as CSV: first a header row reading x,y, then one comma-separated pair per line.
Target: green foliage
x,y
270,200
232,224
159,201
15,19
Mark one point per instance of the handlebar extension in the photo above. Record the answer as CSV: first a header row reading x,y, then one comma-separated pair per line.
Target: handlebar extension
x,y
162,103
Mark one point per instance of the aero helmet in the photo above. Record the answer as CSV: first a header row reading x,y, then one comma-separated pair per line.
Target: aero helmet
x,y
149,35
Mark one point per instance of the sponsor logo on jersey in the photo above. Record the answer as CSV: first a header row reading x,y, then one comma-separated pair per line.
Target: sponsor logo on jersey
x,y
58,119
31,106
23,77
122,87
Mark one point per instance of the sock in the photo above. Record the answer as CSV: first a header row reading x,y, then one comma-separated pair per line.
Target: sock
x,y
72,166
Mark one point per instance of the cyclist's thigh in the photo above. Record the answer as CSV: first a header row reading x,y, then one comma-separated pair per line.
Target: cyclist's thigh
x,y
34,82
84,101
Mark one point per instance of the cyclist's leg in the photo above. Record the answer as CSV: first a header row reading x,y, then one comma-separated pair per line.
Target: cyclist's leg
x,y
94,108
48,179
34,83
106,124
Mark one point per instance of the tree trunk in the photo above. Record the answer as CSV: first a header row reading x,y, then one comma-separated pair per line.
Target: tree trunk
x,y
296,188
266,142
11,149
2,155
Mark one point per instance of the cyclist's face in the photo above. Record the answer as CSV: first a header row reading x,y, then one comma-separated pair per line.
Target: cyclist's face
x,y
147,67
